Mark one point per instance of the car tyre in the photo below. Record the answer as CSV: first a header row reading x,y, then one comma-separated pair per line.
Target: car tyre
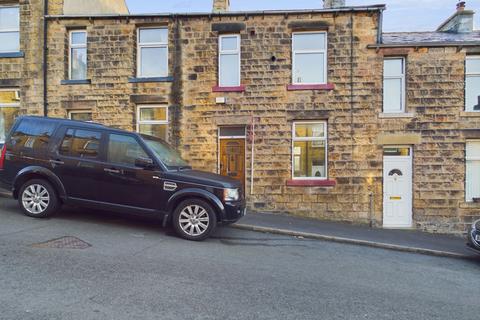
x,y
38,199
194,219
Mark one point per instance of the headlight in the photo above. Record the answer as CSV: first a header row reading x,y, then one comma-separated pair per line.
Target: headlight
x,y
231,194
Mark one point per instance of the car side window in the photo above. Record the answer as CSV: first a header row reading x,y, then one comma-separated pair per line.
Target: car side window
x,y
124,150
81,144
31,134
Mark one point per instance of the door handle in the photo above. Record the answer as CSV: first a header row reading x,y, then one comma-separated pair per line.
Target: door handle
x,y
111,170
57,162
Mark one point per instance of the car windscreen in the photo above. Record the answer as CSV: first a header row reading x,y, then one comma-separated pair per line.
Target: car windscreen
x,y
165,153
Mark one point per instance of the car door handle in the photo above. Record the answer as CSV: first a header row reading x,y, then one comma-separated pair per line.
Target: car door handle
x,y
111,170
57,162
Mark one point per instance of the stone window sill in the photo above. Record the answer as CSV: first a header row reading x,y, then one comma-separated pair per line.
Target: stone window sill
x,y
297,87
240,88
396,115
150,79
75,82
311,183
18,54
473,114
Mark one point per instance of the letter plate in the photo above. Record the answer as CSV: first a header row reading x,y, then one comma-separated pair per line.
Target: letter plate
x,y
396,198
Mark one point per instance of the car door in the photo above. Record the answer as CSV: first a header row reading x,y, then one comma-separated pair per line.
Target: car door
x,y
77,161
124,183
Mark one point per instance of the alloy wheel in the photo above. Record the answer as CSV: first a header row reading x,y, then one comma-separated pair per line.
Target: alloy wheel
x,y
35,199
194,220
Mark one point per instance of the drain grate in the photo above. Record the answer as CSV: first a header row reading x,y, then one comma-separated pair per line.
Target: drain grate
x,y
63,243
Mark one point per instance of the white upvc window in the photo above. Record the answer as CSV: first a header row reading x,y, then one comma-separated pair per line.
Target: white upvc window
x,y
152,52
77,57
229,60
9,107
153,120
472,175
472,84
80,115
309,55
309,150
394,85
9,29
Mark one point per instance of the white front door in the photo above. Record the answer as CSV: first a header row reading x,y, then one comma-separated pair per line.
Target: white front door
x,y
397,188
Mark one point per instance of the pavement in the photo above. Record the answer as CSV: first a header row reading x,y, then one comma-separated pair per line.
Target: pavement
x,y
132,268
400,240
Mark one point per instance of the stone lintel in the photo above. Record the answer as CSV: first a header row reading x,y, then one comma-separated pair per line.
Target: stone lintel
x,y
141,98
79,105
309,25
5,83
233,120
228,27
399,139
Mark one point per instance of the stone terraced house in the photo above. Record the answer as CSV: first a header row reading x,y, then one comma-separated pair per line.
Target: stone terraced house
x,y
318,112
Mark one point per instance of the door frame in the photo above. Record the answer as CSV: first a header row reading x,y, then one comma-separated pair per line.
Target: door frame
x,y
244,137
409,157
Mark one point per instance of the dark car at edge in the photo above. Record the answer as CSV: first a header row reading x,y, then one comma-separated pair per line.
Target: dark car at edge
x,y
48,162
474,236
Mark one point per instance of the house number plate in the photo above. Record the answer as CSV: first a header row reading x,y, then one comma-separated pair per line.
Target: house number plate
x,y
396,198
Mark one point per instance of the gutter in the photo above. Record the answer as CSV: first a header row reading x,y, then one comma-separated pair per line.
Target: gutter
x,y
373,8
45,55
425,44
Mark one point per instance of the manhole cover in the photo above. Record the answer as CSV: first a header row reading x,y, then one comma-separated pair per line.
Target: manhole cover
x,y
63,243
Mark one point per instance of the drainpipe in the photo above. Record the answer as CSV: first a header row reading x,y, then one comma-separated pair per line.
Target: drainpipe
x,y
371,210
253,156
380,28
45,52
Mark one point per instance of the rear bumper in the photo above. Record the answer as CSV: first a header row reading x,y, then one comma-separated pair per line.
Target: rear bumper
x,y
234,211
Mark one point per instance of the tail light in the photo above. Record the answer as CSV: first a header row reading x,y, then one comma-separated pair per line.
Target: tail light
x,y
2,156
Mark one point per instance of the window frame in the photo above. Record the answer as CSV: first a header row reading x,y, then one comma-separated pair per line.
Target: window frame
x,y
70,112
403,91
325,60
12,30
151,45
72,46
222,52
152,122
467,160
470,75
325,138
63,134
137,139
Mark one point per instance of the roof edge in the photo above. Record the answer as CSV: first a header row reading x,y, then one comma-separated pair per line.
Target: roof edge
x,y
425,44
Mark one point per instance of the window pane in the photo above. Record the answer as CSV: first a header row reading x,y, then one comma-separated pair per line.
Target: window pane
x,y
79,64
232,131
7,118
229,70
153,36
81,116
8,97
392,67
32,133
309,68
473,65
472,93
392,95
79,37
153,114
9,41
153,62
81,144
309,159
309,41
303,130
473,149
124,150
229,43
156,130
472,180
9,18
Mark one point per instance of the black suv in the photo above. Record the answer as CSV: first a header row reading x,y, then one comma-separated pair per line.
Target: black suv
x,y
47,162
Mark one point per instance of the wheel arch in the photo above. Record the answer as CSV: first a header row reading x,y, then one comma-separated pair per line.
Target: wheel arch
x,y
36,172
193,193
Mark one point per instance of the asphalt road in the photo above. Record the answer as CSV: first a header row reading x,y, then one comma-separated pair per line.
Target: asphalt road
x,y
134,269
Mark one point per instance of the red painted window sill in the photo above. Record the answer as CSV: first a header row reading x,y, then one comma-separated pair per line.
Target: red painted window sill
x,y
311,183
229,89
295,87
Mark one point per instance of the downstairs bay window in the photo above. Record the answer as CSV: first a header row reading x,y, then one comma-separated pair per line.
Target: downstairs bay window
x,y
309,153
152,120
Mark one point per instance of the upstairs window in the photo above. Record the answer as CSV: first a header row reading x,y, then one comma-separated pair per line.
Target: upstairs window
x,y
229,61
472,176
472,84
309,150
309,51
78,55
9,29
394,85
152,54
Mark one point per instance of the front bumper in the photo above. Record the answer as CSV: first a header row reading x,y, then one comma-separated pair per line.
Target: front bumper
x,y
474,238
234,211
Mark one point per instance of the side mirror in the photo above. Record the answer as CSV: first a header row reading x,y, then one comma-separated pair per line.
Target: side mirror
x,y
144,163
